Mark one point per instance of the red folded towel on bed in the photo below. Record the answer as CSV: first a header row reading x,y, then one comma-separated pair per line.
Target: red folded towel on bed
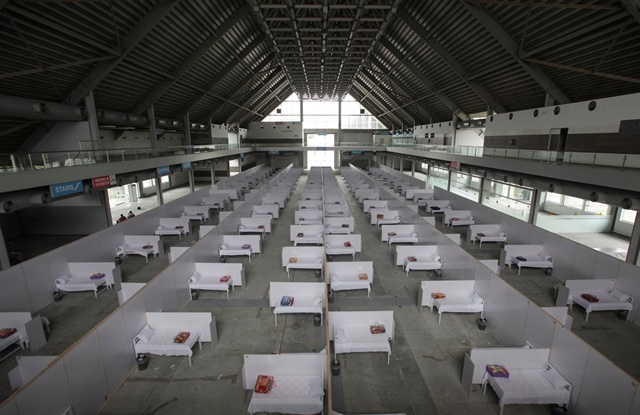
x,y
147,246
455,218
480,234
363,277
412,259
226,278
260,226
590,298
182,337
377,329
437,295
97,276
264,384
179,227
347,244
345,225
391,234
4,333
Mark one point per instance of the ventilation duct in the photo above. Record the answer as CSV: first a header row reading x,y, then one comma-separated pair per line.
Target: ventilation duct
x,y
11,202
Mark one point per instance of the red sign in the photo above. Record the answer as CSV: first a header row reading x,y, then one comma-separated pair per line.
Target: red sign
x,y
455,164
103,181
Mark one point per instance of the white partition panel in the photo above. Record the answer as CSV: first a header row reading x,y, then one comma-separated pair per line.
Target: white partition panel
x,y
605,266
606,389
569,355
84,251
135,318
495,306
517,307
483,282
9,407
168,287
116,353
563,252
181,268
47,394
629,282
539,328
152,297
86,375
635,407
14,295
36,273
584,262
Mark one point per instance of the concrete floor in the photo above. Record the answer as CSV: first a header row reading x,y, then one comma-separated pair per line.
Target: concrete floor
x,y
423,376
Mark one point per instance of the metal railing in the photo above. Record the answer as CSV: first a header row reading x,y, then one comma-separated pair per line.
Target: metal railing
x,y
16,162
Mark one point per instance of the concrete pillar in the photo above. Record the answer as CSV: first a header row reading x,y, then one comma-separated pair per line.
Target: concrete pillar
x,y
339,137
213,172
535,205
489,111
481,192
454,130
413,168
240,165
159,190
187,131
634,243
151,114
92,118
548,100
5,262
192,186
210,131
449,181
401,167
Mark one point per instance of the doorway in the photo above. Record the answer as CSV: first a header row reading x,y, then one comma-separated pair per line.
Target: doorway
x,y
321,158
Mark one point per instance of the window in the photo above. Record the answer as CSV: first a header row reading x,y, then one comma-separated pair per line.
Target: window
x,y
554,198
164,179
289,110
356,117
597,208
628,216
574,203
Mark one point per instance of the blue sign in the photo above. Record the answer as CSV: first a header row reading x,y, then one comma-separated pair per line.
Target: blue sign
x,y
274,152
68,188
321,148
186,166
356,152
163,170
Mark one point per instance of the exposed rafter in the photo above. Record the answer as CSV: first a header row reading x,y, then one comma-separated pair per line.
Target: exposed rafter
x,y
188,62
129,42
514,50
52,68
238,85
402,87
455,109
256,92
381,106
449,60
388,94
586,71
221,74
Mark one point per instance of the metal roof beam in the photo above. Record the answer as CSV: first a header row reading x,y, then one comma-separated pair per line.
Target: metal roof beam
x,y
389,94
423,78
187,63
630,6
586,71
267,104
512,47
372,108
242,82
255,93
221,74
449,60
381,105
129,42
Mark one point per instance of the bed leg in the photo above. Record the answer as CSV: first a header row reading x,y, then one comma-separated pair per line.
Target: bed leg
x,y
586,317
439,316
189,360
276,318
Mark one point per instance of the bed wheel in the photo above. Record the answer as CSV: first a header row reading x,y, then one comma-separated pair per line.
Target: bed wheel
x,y
438,273
317,273
548,271
223,259
329,258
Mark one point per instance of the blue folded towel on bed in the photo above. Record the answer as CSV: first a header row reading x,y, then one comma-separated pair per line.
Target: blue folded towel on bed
x,y
286,301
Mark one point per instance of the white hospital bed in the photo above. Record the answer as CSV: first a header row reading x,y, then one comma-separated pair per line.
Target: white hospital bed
x,y
161,342
424,263
167,230
534,261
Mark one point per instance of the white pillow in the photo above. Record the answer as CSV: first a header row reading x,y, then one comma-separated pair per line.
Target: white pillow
x,y
315,387
475,298
63,280
619,295
195,277
414,234
224,246
145,334
340,335
240,227
555,379
334,278
317,301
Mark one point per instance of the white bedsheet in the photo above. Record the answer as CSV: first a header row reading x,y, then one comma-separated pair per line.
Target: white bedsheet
x,y
349,282
228,250
429,263
341,250
161,343
290,395
396,239
304,263
14,338
194,216
315,240
134,250
210,283
165,230
470,220
456,304
606,302
491,237
301,305
533,261
242,229
527,387
390,221
74,284
360,340
332,230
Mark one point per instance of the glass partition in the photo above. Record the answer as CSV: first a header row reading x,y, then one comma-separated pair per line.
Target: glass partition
x,y
438,177
508,198
466,185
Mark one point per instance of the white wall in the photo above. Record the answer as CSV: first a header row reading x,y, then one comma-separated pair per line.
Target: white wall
x,y
576,116
291,130
63,136
356,136
136,139
473,137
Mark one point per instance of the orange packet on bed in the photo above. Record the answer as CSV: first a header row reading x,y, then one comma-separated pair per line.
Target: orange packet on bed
x,y
182,337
